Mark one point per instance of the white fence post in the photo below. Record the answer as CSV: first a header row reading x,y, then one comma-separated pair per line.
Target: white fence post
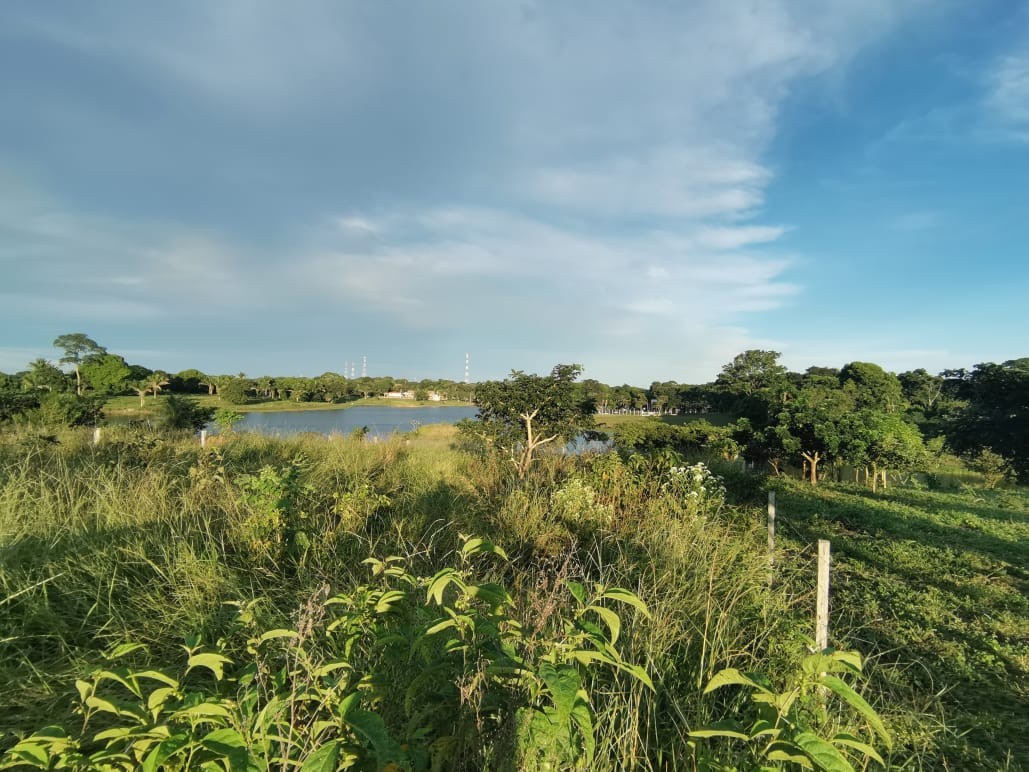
x,y
771,536
822,604
203,438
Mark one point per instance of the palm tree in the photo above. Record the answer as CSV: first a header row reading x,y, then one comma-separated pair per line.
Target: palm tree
x,y
156,380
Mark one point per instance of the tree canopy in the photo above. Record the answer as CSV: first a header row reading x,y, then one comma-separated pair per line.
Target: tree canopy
x,y
524,412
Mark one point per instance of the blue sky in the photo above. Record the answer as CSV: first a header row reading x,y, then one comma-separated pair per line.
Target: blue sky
x,y
644,188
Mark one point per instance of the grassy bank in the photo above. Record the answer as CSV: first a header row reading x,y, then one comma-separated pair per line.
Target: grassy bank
x,y
147,538
129,407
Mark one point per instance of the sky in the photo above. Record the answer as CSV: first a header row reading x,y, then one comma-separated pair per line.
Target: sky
x,y
644,188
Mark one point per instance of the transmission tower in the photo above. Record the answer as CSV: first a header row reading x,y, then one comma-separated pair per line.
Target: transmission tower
x,y
364,366
467,362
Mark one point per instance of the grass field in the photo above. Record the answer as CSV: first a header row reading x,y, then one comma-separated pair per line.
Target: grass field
x,y
128,407
146,538
935,586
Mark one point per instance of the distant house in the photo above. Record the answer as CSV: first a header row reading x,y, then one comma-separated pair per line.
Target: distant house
x,y
435,396
399,395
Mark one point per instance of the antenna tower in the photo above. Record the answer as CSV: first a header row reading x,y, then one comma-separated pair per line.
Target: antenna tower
x,y
467,361
364,367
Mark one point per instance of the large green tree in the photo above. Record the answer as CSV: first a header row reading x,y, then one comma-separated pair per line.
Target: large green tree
x,y
997,413
43,376
77,348
107,373
523,413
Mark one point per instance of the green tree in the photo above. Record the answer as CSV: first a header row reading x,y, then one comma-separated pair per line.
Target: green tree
x,y
235,391
77,348
184,413
872,387
58,409
816,425
107,373
751,371
523,413
997,414
225,418
43,376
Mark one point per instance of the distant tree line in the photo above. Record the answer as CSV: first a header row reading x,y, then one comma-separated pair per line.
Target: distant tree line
x,y
859,415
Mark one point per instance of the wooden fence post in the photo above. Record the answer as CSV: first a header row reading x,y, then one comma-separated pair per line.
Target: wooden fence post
x,y
822,603
203,438
96,435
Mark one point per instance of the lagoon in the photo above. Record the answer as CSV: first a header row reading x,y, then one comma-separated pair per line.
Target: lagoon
x,y
380,421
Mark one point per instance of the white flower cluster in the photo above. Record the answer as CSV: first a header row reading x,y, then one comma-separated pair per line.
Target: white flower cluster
x,y
575,500
696,485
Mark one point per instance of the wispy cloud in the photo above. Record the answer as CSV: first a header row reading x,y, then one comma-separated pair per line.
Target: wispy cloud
x,y
1008,95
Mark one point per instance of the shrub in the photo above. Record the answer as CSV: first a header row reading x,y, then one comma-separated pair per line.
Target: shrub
x,y
183,413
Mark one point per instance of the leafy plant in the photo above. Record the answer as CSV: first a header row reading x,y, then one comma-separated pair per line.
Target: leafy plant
x,y
225,418
785,727
408,672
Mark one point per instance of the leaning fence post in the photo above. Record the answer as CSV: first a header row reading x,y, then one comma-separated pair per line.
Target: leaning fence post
x,y
771,536
203,438
822,603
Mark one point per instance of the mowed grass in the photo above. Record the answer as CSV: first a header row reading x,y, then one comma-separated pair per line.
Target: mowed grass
x,y
934,586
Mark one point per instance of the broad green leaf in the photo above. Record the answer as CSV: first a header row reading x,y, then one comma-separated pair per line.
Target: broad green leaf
x,y
477,545
440,626
850,741
157,698
32,754
213,662
229,744
123,649
156,675
577,590
719,732
611,619
164,751
790,757
204,710
324,759
272,635
564,683
730,676
629,598
112,675
438,585
637,672
388,600
824,755
85,688
842,690
583,719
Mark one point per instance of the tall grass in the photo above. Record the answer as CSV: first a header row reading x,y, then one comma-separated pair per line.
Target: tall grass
x,y
147,537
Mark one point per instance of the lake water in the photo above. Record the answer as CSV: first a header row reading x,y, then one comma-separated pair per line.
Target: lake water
x,y
381,421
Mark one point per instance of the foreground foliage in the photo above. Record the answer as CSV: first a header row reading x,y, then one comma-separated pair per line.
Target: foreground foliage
x,y
148,539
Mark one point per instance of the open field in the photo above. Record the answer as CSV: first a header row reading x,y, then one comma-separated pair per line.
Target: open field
x,y
146,538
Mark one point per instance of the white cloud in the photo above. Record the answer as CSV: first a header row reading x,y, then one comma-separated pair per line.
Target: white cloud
x,y
554,177
1008,95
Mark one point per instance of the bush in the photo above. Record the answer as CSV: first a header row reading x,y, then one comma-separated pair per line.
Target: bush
x,y
184,413
58,409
